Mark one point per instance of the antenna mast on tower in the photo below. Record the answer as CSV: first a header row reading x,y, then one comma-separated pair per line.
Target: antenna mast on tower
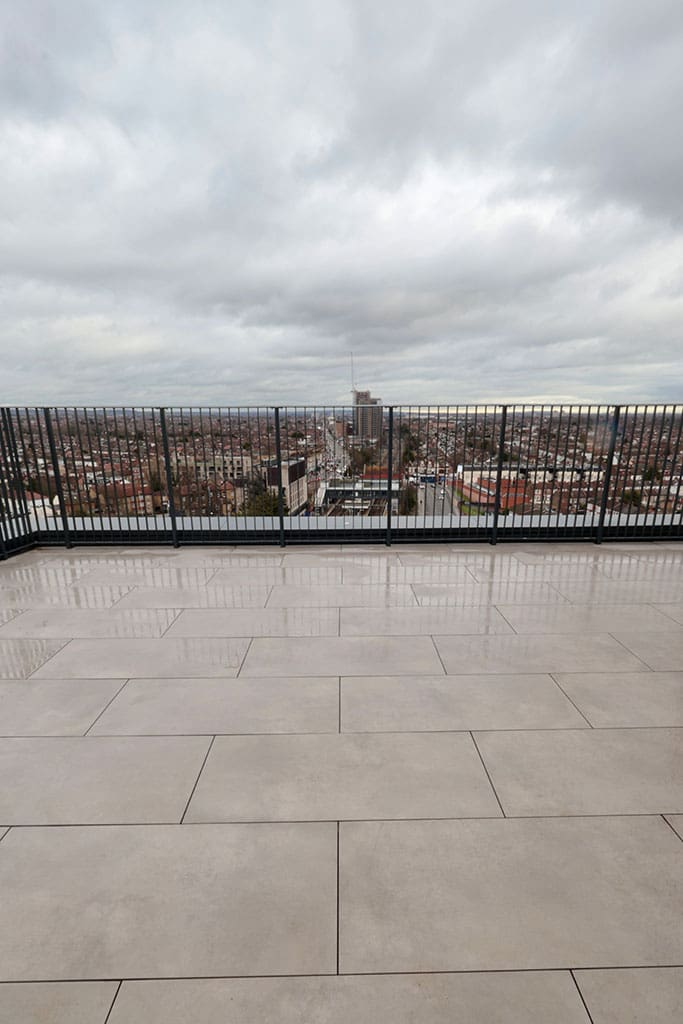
x,y
353,382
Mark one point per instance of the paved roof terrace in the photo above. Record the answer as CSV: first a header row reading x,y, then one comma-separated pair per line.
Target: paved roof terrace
x,y
428,784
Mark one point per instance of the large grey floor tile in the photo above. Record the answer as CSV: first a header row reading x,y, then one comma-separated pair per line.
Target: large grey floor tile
x,y
676,822
509,895
318,778
353,656
562,618
416,621
405,703
458,596
208,706
626,698
179,658
259,622
663,652
56,707
522,998
91,779
196,597
56,1002
590,771
169,901
650,995
561,653
341,596
20,658
114,622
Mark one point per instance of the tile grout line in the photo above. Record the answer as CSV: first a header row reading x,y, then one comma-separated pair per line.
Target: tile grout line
x,y
438,653
108,704
118,989
664,818
560,688
189,799
244,657
585,1005
488,776
48,660
176,618
645,665
504,618
338,829
351,974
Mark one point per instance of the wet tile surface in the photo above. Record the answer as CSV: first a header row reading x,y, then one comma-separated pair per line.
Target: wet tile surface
x,y
153,658
342,656
240,702
598,652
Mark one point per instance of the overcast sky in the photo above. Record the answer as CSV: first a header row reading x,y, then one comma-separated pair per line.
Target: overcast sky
x,y
216,202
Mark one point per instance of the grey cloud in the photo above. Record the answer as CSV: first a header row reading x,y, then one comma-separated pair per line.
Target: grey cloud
x,y
217,203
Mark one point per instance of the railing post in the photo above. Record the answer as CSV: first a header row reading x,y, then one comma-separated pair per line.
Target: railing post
x,y
58,480
608,474
19,480
278,456
390,472
169,478
499,473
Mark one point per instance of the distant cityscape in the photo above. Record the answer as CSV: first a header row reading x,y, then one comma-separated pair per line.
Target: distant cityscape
x,y
350,461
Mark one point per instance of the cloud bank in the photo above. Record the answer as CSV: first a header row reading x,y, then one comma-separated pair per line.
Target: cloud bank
x,y
216,203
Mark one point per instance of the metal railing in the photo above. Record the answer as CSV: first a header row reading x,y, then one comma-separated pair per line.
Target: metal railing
x,y
297,474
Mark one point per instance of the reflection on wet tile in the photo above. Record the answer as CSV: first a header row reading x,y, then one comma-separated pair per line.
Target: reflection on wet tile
x,y
341,596
198,597
392,574
66,597
103,659
559,653
257,575
308,656
607,591
511,592
421,621
257,622
152,576
19,658
566,618
115,622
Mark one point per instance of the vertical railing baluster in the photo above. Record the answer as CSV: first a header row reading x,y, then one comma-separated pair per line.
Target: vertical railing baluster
x,y
278,456
608,474
390,475
499,473
58,480
169,477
